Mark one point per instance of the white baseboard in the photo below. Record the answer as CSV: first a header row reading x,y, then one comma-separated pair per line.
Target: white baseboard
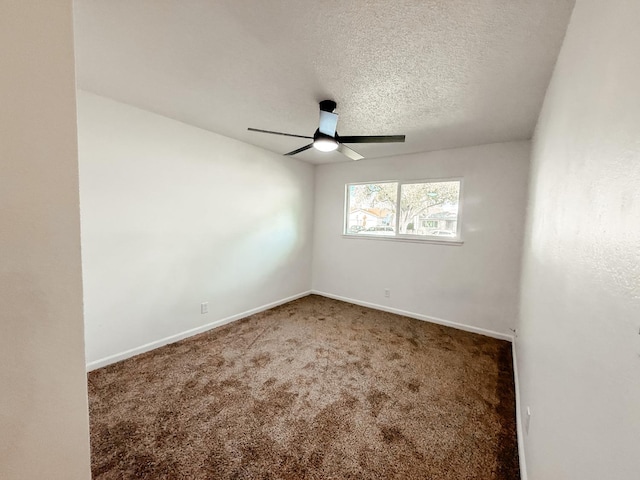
x,y
519,425
419,316
103,362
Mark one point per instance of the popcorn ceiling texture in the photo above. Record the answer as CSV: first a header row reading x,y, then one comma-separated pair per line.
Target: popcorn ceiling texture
x,y
315,389
447,73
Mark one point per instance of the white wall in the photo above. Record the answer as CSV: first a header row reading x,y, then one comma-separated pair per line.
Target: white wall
x,y
44,430
579,348
475,284
173,216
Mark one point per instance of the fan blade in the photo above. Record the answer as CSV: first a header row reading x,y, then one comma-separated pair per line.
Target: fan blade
x,y
301,149
276,133
372,139
352,154
328,123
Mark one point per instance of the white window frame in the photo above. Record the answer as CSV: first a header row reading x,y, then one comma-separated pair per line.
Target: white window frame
x,y
404,237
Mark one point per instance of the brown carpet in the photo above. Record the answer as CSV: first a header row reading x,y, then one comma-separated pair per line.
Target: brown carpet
x,y
315,389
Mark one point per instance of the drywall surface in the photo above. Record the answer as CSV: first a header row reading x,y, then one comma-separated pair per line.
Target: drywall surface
x,y
445,73
173,216
474,284
579,343
44,428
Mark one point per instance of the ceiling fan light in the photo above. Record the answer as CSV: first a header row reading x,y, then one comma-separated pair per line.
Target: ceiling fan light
x,y
325,144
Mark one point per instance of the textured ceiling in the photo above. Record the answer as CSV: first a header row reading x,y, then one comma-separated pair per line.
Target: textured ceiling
x,y
447,73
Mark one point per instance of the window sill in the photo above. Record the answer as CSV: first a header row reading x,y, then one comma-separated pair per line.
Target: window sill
x,y
453,243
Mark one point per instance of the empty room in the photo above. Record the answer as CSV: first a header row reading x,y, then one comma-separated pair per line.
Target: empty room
x,y
320,239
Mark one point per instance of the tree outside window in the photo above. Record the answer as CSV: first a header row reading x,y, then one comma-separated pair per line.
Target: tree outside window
x,y
426,209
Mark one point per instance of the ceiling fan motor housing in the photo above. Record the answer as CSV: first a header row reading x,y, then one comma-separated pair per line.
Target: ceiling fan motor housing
x,y
324,143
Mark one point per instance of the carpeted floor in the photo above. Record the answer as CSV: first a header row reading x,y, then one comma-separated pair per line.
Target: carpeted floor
x,y
315,389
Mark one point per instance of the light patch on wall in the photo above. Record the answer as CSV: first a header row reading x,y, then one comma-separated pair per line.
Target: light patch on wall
x,y
254,253
173,216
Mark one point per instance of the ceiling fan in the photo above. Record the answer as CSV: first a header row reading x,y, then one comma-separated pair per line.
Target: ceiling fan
x,y
326,138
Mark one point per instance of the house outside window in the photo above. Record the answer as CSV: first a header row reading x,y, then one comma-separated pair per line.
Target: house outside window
x,y
415,210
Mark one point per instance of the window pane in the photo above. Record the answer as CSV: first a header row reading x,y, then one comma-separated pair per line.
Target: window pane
x,y
430,209
372,209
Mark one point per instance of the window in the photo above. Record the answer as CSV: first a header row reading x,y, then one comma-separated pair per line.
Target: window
x,y
372,208
427,210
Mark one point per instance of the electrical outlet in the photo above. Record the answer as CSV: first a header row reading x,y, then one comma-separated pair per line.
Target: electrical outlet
x,y
204,307
527,420
387,292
